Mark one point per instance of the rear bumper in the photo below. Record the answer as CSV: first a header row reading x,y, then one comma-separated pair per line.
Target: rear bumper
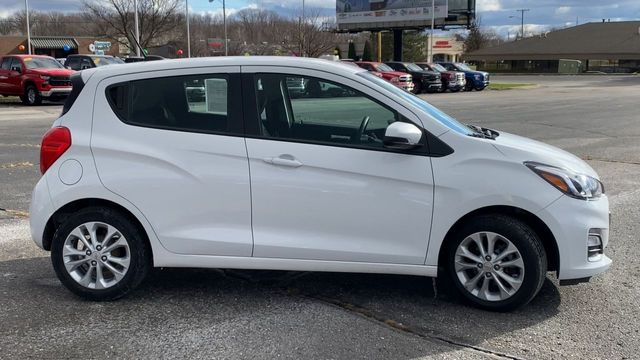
x,y
56,91
40,211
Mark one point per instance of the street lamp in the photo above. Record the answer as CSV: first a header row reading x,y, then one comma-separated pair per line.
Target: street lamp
x,y
433,21
224,22
135,20
186,10
26,6
521,11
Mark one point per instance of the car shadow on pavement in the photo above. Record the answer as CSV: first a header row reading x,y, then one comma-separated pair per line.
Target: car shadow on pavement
x,y
196,301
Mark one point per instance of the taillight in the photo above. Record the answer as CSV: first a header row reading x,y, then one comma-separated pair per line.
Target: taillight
x,y
54,143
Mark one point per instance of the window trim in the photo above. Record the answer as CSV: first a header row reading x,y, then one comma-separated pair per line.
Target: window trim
x,y
234,104
254,130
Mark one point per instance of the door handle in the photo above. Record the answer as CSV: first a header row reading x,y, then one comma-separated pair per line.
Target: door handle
x,y
283,160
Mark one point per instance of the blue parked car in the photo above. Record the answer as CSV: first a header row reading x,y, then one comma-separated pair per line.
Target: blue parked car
x,y
475,79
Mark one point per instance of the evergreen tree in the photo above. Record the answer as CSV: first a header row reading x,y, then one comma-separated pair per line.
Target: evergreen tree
x,y
366,52
352,50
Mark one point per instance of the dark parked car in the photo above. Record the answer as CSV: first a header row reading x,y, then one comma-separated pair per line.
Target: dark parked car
x,y
451,80
423,80
475,79
132,59
81,62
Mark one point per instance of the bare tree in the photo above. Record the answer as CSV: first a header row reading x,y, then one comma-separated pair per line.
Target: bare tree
x,y
114,19
479,38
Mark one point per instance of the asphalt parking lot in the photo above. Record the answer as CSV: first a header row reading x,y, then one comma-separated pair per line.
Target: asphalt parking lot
x,y
253,314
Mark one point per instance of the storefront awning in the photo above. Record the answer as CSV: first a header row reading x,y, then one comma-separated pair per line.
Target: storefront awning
x,y
53,42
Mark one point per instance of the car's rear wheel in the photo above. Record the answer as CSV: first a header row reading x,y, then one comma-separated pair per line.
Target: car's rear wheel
x,y
497,262
100,254
31,96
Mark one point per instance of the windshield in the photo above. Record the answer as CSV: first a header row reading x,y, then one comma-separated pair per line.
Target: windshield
x,y
384,67
431,110
42,63
414,67
101,61
464,67
438,67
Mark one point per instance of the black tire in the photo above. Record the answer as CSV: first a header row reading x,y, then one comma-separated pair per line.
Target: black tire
x,y
417,88
468,87
525,240
140,253
31,96
455,90
480,88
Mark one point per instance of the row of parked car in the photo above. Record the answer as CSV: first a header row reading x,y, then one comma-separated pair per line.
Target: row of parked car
x,y
424,77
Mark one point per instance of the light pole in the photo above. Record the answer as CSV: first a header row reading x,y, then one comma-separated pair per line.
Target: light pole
x,y
186,11
26,6
522,11
433,22
135,20
224,22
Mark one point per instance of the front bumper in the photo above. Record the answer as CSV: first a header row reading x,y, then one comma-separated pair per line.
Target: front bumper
x,y
570,221
431,84
56,91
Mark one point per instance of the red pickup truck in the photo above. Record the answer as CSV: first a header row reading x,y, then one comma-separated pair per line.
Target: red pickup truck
x,y
33,78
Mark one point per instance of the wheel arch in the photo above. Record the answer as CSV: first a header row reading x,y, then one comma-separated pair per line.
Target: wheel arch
x,y
58,216
542,230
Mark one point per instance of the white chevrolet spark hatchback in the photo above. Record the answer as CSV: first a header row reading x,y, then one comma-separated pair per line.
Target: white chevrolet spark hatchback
x,y
305,165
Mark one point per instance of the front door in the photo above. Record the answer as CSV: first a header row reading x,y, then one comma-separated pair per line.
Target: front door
x,y
323,185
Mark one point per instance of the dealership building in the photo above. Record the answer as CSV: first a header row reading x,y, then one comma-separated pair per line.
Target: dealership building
x,y
598,46
55,46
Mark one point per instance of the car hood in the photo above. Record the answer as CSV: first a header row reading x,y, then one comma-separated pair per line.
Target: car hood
x,y
52,72
524,149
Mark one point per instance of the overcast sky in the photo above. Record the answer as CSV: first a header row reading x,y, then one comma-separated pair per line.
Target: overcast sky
x,y
499,14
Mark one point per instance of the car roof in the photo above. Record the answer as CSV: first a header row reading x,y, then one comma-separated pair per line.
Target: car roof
x,y
335,67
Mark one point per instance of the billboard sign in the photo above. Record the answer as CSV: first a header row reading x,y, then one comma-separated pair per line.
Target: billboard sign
x,y
368,14
375,15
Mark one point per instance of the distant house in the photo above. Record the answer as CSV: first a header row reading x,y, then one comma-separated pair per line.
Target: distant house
x,y
601,46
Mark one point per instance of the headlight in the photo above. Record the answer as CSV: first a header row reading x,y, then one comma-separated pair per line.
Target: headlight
x,y
576,185
44,77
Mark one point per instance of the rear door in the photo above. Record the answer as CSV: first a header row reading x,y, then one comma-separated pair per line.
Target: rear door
x,y
170,143
14,77
323,185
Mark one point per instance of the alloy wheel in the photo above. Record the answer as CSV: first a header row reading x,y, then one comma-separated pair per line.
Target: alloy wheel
x,y
489,266
96,255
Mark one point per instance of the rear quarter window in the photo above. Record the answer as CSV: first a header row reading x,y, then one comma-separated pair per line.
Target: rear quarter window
x,y
194,103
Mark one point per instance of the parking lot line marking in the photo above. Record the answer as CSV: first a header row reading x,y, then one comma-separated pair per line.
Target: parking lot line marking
x,y
24,164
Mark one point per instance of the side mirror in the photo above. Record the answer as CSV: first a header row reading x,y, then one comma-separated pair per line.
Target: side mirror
x,y
402,136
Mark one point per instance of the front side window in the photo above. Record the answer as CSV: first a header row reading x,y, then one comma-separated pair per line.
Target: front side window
x,y
197,103
309,109
414,67
16,65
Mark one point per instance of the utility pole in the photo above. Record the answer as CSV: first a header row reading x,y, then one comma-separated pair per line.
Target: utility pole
x,y
26,6
135,20
186,10
522,11
302,29
433,23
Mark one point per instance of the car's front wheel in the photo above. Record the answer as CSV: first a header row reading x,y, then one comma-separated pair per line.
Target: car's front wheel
x,y
31,96
100,254
497,262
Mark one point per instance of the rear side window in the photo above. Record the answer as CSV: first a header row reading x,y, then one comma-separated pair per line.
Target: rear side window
x,y
196,103
6,63
16,64
73,63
